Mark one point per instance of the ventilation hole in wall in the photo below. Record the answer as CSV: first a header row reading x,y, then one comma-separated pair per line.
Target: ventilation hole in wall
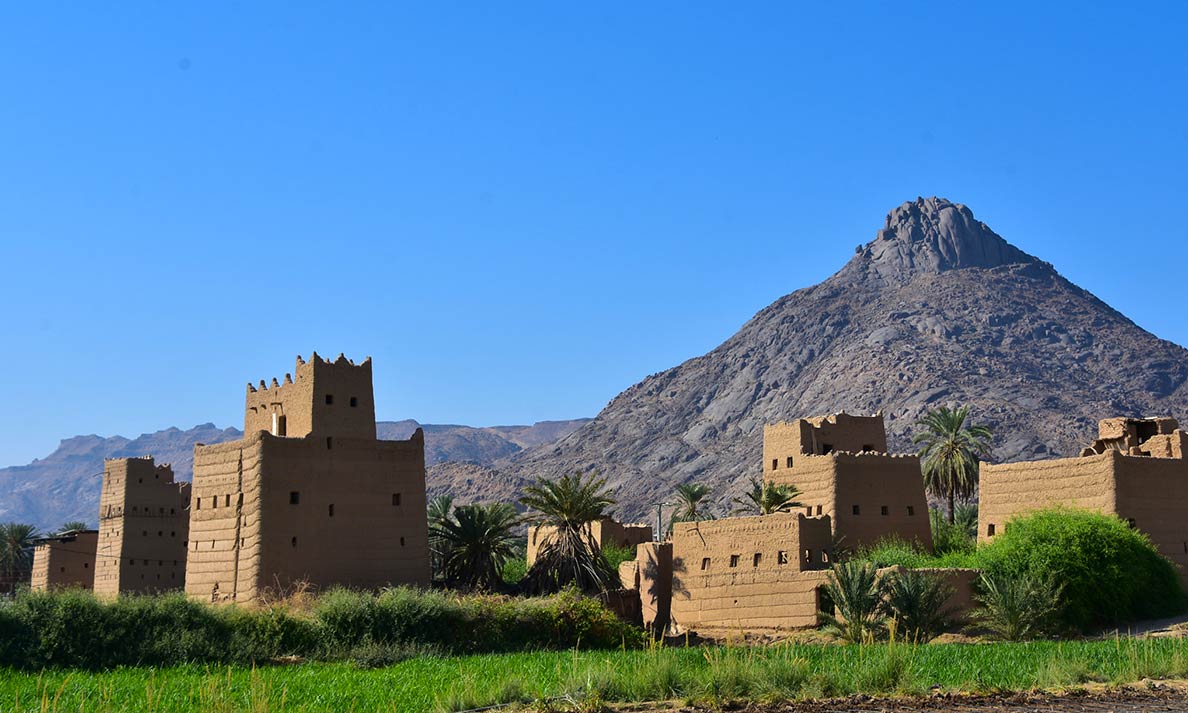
x,y
990,530
782,557
160,533
63,569
789,461
173,533
883,510
140,480
161,510
395,498
329,442
775,463
705,563
354,402
329,399
215,502
818,509
911,510
733,560
172,511
144,533
757,559
402,542
86,565
293,541
808,510
199,504
331,509
294,497
227,502
857,510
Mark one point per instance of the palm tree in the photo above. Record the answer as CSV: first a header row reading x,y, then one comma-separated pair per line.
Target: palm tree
x,y
480,539
767,498
857,594
918,603
568,554
950,452
439,512
689,497
16,552
72,525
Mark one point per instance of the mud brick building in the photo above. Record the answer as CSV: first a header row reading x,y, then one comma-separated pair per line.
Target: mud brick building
x,y
65,560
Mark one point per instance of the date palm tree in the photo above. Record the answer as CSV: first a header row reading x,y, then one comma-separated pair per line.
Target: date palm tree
x,y
72,525
16,553
767,498
950,450
856,595
568,555
480,539
439,512
688,501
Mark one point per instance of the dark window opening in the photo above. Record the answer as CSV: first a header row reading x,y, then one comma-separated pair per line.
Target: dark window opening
x,y
857,510
782,557
705,563
775,463
402,542
293,541
228,501
282,426
294,497
331,509
329,442
216,502
757,559
990,530
395,498
911,510
789,461
826,448
329,399
883,510
733,560
868,447
354,401
808,510
199,504
818,509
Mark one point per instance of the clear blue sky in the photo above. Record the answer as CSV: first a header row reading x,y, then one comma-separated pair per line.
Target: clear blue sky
x,y
521,209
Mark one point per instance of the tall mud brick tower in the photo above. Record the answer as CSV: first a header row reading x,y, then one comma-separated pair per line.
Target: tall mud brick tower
x,y
142,528
308,495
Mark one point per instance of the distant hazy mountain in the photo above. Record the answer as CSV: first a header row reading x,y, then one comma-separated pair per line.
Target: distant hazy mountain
x,y
65,484
936,309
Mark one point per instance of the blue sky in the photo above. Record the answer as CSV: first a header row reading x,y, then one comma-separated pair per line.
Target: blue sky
x,y
521,209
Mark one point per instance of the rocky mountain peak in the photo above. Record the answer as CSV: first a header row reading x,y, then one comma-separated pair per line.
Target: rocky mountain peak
x,y
935,235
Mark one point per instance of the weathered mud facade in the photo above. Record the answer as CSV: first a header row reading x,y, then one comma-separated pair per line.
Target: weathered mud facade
x,y
840,465
605,532
1135,470
65,560
308,495
143,528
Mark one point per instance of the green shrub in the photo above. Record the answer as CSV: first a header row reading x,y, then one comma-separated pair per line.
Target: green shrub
x,y
917,603
514,570
68,628
160,630
1108,572
258,636
855,590
16,636
616,555
960,536
891,551
345,618
1016,607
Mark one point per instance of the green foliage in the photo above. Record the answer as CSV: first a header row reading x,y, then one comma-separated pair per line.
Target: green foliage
x,y
478,541
1017,607
766,498
960,536
917,604
16,553
568,555
72,525
516,567
857,594
1109,572
891,551
689,497
616,555
950,450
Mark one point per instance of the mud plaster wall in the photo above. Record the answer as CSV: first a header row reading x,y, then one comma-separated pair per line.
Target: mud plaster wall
x,y
1010,489
603,531
65,562
1153,492
346,512
653,574
302,401
817,436
749,573
143,528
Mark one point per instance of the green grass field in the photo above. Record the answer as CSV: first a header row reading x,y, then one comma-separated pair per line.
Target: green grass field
x,y
703,674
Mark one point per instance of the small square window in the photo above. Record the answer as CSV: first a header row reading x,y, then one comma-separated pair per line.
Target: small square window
x,y
733,560
354,401
329,399
705,563
294,497
883,510
911,510
782,557
857,510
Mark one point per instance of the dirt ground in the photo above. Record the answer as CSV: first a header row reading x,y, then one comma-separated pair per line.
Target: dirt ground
x,y
1141,698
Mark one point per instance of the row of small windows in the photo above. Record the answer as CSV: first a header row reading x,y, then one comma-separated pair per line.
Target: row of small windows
x,y
354,401
757,559
295,499
137,510
160,563
160,533
214,501
883,510
826,449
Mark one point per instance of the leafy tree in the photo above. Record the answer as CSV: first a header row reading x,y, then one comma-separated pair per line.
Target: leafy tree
x,y
767,498
568,553
918,604
480,539
439,512
72,525
1017,608
857,595
689,497
16,552
950,450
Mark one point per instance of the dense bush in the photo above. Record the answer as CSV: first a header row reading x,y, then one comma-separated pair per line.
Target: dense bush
x,y
74,629
1108,572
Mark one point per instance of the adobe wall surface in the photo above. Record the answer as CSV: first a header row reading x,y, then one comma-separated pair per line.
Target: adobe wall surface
x,y
66,561
814,476
820,436
749,574
1010,489
347,512
1152,494
326,398
653,575
143,528
603,531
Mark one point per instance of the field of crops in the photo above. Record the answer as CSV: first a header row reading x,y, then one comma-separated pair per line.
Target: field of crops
x,y
709,675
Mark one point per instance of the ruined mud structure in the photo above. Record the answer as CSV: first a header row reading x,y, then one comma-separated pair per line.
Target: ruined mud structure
x,y
1136,470
309,495
65,560
764,573
143,524
604,532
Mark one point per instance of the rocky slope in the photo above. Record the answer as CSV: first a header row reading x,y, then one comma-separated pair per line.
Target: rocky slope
x,y
65,485
936,309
